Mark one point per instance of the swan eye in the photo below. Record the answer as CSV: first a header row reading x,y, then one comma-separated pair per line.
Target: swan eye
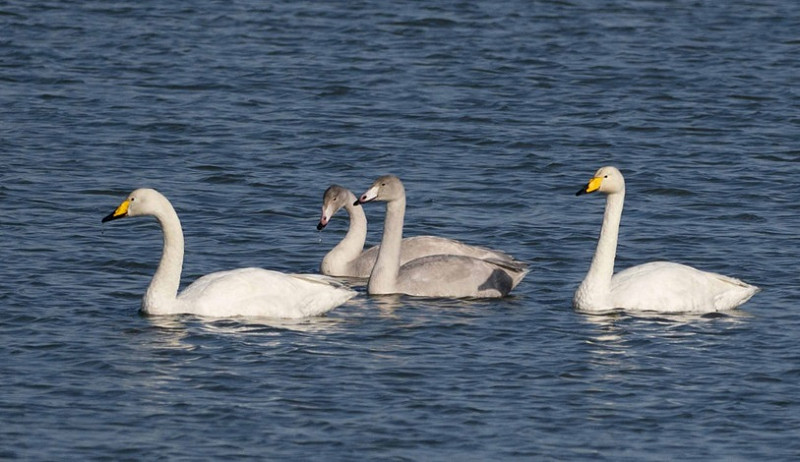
x,y
605,176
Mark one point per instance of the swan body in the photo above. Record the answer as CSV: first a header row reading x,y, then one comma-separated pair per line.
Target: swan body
x,y
656,286
239,292
441,275
348,258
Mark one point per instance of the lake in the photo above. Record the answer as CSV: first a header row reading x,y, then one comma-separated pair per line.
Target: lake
x,y
494,115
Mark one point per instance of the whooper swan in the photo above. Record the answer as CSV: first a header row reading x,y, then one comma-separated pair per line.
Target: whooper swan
x,y
657,286
239,292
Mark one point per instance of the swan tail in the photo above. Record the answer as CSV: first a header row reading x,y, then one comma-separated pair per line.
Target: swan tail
x,y
515,269
321,279
738,293
514,266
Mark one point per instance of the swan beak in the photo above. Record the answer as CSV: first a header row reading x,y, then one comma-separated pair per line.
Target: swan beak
x,y
323,222
368,196
592,186
325,217
122,211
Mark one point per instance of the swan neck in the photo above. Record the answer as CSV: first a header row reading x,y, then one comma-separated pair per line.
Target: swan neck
x,y
353,242
358,222
598,279
162,293
383,279
338,259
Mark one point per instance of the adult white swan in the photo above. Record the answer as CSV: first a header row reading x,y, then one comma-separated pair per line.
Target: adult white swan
x,y
239,292
656,286
348,257
452,276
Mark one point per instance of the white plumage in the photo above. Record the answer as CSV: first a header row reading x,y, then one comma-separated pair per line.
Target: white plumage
x,y
657,286
240,292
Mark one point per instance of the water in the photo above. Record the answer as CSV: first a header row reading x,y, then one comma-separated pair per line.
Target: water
x,y
242,113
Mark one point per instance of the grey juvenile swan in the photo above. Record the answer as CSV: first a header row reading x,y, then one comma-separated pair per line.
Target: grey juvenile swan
x,y
451,276
348,257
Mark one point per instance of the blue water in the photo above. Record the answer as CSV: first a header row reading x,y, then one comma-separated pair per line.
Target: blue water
x,y
493,114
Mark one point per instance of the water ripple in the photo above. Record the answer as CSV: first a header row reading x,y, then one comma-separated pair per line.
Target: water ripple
x,y
493,115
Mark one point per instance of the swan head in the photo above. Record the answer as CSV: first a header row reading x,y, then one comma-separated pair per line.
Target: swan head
x,y
386,188
334,198
140,202
606,180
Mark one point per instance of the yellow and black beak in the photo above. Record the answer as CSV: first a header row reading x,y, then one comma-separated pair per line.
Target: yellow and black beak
x,y
121,212
592,186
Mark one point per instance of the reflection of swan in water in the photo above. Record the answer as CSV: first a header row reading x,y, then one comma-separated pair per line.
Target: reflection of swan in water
x,y
421,312
449,276
272,327
615,339
169,333
263,334
241,292
655,286
609,321
348,258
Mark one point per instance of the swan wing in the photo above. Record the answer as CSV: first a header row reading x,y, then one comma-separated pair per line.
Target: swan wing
x,y
416,247
457,276
421,246
673,287
361,267
263,293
